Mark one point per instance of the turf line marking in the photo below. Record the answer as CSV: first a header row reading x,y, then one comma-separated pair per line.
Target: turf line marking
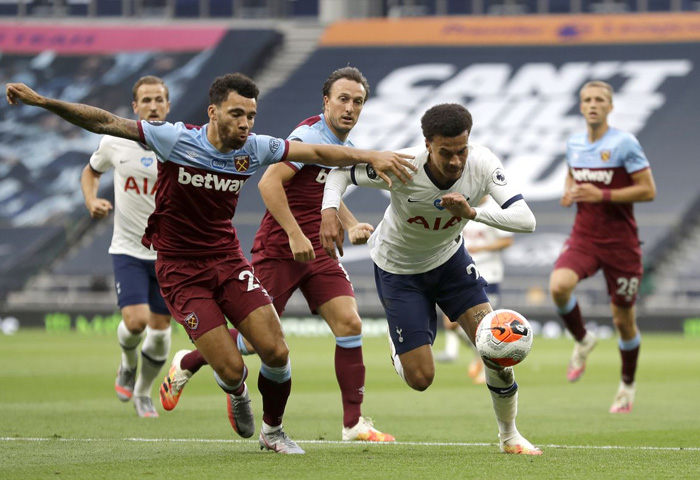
x,y
336,442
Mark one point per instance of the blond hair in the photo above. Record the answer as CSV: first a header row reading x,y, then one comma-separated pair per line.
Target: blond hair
x,y
601,84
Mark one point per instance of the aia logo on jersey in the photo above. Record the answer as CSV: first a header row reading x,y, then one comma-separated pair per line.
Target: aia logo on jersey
x,y
220,164
605,155
146,161
192,321
241,162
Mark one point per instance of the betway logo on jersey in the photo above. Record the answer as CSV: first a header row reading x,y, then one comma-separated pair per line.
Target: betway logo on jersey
x,y
595,175
209,181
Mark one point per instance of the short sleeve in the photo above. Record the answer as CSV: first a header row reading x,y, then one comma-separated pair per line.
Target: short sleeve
x,y
101,159
270,150
635,160
161,137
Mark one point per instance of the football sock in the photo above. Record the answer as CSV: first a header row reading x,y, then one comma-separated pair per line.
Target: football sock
x,y
504,396
274,384
629,351
451,343
128,341
571,314
154,354
350,372
235,390
240,343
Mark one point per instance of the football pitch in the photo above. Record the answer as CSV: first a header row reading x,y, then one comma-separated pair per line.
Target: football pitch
x,y
60,418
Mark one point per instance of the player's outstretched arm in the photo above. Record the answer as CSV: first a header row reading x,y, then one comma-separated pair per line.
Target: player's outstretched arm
x,y
271,188
383,163
92,119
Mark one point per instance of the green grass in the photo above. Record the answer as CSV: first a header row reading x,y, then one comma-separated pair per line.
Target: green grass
x,y
59,418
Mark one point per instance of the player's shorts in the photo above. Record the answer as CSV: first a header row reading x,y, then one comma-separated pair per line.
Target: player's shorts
x,y
621,265
203,292
320,280
409,300
493,291
136,283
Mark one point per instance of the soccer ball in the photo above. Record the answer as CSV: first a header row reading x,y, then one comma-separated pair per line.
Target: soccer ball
x,y
504,337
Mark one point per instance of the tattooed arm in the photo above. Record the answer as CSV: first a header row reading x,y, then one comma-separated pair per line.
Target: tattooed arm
x,y
89,118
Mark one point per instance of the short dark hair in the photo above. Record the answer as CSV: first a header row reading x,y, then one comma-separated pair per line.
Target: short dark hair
x,y
348,73
446,120
149,80
232,82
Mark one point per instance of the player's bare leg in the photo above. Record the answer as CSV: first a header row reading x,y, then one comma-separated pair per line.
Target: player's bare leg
x,y
629,341
220,351
263,330
561,285
340,313
503,389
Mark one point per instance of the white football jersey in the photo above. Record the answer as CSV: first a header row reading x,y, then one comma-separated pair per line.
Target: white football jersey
x,y
476,234
135,174
417,234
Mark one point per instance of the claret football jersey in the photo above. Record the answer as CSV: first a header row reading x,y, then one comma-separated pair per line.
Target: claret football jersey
x,y
606,163
198,187
304,194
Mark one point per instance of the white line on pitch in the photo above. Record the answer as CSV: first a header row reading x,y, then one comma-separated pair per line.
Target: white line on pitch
x,y
335,442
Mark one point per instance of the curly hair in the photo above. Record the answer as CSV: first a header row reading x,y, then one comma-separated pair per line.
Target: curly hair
x,y
232,82
446,120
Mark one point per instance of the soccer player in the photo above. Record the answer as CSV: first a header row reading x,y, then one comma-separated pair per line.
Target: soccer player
x,y
485,244
138,294
287,252
418,251
202,272
608,173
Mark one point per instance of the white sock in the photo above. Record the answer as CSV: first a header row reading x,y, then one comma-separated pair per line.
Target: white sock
x,y
505,404
268,429
154,354
451,343
128,342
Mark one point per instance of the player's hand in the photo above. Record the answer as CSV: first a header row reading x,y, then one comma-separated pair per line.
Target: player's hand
x,y
19,92
393,162
457,205
360,233
301,247
99,208
567,199
331,233
586,192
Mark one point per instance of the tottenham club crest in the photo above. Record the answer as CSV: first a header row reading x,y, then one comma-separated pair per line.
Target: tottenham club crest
x,y
499,177
192,321
241,162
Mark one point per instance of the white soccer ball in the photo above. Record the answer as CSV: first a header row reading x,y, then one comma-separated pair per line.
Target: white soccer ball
x,y
504,337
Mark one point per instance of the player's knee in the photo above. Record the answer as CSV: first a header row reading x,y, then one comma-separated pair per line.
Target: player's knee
x,y
135,322
349,326
419,380
276,355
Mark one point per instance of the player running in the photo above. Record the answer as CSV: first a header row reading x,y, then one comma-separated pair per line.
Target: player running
x,y
138,294
418,251
608,173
